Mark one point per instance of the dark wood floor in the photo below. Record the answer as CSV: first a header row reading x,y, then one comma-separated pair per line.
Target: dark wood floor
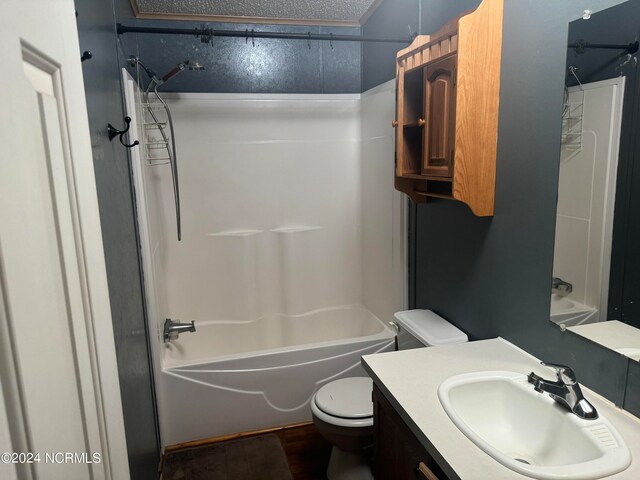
x,y
306,450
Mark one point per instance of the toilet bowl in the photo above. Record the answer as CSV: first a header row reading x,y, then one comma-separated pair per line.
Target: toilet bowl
x,y
342,410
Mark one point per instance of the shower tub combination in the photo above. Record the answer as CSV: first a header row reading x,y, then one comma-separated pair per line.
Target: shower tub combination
x,y
287,291
265,372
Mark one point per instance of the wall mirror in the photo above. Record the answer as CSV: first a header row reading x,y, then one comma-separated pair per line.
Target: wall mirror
x,y
595,290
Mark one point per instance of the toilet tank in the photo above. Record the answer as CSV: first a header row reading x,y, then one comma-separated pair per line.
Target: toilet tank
x,y
423,328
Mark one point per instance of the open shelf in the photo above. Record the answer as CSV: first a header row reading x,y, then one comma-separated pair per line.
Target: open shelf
x,y
413,97
412,151
435,188
434,195
415,176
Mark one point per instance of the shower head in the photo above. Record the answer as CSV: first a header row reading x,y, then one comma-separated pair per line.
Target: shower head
x,y
155,81
187,64
194,65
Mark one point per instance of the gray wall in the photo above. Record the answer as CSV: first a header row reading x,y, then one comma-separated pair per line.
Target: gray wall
x,y
394,18
435,13
239,66
102,87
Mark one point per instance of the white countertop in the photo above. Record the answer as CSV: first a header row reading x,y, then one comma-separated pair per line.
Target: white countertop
x,y
409,379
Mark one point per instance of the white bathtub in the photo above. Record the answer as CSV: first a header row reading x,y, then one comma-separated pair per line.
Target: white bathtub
x,y
237,376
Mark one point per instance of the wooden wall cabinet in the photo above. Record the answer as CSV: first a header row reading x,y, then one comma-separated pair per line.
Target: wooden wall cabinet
x,y
448,87
398,455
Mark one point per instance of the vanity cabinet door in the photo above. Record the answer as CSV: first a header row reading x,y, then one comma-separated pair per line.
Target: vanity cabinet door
x,y
398,455
440,102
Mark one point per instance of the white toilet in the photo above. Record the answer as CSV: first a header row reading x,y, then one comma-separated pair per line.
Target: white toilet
x,y
343,410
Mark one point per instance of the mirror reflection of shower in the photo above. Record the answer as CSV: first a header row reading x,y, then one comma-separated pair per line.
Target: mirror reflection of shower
x,y
168,141
591,126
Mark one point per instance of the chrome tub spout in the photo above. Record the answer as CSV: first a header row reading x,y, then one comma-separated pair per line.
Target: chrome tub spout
x,y
173,329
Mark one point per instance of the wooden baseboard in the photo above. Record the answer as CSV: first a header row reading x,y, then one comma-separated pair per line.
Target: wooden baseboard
x,y
234,436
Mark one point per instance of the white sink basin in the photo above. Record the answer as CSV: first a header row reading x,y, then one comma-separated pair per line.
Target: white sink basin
x,y
529,432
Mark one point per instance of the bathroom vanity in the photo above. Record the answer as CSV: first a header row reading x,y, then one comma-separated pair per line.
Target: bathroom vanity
x,y
416,438
398,452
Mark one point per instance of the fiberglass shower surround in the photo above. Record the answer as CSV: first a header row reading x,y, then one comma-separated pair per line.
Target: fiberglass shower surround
x,y
271,188
291,262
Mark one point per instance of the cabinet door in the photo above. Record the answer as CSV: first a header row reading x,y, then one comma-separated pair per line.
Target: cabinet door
x,y
398,455
440,102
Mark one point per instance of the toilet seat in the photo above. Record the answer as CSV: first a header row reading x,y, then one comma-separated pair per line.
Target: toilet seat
x,y
345,402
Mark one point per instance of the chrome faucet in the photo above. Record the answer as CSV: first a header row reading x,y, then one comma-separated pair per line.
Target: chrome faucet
x,y
565,390
561,287
173,329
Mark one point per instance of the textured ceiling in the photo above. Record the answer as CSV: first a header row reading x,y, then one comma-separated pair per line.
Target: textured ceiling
x,y
348,12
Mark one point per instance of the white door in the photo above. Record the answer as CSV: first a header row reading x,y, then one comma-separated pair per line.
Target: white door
x,y
58,372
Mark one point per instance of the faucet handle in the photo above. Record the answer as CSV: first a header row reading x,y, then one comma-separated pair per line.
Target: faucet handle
x,y
564,373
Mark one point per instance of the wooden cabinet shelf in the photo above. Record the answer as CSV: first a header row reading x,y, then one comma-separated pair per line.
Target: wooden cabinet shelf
x,y
434,195
427,177
447,111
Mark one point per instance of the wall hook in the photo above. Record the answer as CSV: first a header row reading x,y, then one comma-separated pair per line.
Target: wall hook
x,y
114,132
86,55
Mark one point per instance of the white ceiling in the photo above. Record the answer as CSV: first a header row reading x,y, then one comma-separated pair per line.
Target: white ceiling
x,y
320,12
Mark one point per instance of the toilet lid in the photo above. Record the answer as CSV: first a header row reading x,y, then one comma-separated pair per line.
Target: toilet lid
x,y
347,398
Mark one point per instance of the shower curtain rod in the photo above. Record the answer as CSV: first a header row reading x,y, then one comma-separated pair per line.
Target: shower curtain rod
x,y
581,45
206,34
